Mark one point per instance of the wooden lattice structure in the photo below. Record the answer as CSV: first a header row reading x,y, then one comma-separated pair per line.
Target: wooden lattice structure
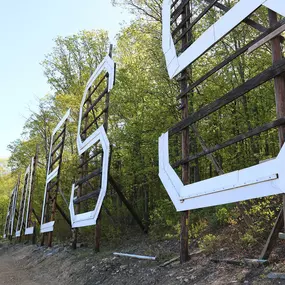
x,y
21,223
25,224
30,223
10,218
183,21
93,145
52,186
94,114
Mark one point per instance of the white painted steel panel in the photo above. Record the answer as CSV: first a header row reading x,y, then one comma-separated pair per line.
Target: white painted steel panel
x,y
212,35
106,65
277,6
16,189
9,222
20,222
29,231
166,14
253,182
61,122
29,196
52,175
90,218
48,227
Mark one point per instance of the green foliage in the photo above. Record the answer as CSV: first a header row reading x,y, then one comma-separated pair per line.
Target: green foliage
x,y
208,243
143,105
222,215
7,182
163,222
248,239
196,230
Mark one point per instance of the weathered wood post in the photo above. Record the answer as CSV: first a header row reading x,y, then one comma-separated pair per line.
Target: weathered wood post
x,y
184,76
279,87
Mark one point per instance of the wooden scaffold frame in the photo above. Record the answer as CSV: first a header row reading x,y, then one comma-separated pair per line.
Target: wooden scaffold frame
x,y
25,224
178,25
11,213
52,186
90,151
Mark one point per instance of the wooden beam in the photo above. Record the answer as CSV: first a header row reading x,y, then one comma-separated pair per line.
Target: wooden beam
x,y
193,23
273,236
55,161
206,149
88,196
90,93
273,71
266,39
91,107
185,143
52,184
279,86
118,189
174,3
88,177
57,148
37,217
67,219
179,10
94,120
248,21
58,136
95,153
279,81
237,53
98,233
239,138
180,25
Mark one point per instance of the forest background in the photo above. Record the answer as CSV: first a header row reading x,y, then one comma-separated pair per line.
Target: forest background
x,y
143,105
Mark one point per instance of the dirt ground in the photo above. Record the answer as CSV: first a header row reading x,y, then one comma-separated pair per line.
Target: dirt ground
x,y
11,274
32,265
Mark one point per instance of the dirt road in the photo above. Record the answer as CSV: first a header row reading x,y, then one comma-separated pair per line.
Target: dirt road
x,y
23,264
11,274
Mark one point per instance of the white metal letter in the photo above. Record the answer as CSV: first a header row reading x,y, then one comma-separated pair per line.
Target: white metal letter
x,y
175,64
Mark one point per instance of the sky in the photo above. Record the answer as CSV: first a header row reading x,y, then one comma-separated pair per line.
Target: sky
x,y
27,30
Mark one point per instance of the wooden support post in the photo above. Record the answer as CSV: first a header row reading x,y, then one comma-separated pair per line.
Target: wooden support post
x,y
53,187
43,240
105,124
279,81
279,86
50,234
98,234
34,237
30,222
84,169
184,235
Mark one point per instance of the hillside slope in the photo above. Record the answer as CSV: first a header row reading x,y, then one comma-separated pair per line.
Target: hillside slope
x,y
29,264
